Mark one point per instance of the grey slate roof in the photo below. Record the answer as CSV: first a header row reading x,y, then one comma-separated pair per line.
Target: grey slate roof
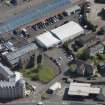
x,y
96,48
5,71
7,84
13,57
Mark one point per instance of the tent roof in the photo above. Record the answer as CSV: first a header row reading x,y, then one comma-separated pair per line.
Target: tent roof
x,y
47,39
68,31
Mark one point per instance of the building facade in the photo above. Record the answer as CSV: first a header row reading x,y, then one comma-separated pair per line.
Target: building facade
x,y
22,55
13,86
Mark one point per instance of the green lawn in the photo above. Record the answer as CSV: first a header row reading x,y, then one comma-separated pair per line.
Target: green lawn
x,y
46,74
42,73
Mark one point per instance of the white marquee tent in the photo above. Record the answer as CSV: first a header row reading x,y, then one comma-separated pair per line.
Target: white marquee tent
x,y
47,40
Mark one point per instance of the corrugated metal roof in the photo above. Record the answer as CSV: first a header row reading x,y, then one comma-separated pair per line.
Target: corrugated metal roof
x,y
5,71
13,57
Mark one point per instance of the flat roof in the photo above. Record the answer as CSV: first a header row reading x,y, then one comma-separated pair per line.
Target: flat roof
x,y
68,31
47,40
31,14
82,89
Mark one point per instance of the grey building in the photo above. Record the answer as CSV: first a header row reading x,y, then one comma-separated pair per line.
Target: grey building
x,y
100,1
22,55
98,48
84,69
5,73
13,86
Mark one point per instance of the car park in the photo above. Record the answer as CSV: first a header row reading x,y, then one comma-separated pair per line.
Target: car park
x,y
34,27
40,25
60,17
24,32
55,19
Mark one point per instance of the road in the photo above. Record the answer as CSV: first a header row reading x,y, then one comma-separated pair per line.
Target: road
x,y
55,103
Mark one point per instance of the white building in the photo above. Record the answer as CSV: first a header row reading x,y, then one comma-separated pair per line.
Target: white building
x,y
47,40
82,89
55,86
68,31
73,10
12,85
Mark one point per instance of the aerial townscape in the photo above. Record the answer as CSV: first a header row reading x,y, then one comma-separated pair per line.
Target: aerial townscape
x,y
52,52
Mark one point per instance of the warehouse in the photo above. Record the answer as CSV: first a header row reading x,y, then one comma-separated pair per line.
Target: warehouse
x,y
82,89
47,40
68,31
23,55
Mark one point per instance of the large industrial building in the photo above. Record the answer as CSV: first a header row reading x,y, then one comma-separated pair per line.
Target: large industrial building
x,y
68,31
47,40
12,84
64,33
23,55
83,89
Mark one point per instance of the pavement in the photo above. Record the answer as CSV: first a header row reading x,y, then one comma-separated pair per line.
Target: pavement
x,y
56,103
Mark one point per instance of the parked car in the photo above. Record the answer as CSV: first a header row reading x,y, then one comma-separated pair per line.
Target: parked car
x,y
34,27
70,58
60,17
57,62
64,14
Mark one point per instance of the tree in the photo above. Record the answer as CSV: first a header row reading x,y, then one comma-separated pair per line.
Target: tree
x,y
73,68
65,46
39,59
83,54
